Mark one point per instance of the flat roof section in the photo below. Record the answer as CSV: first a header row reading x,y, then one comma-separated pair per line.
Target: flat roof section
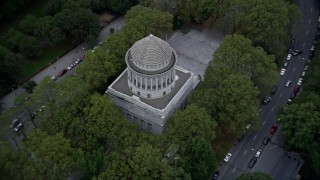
x,y
160,103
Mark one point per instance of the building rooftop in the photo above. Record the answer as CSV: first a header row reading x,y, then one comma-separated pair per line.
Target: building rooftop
x,y
151,53
121,86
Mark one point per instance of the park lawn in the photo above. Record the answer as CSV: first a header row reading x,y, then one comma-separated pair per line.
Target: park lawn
x,y
50,54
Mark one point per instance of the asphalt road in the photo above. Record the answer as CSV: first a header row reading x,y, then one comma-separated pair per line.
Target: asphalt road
x,y
245,150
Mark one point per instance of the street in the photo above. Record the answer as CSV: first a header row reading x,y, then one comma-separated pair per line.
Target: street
x,y
274,157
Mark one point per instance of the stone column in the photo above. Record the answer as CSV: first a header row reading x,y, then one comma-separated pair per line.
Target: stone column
x,y
151,84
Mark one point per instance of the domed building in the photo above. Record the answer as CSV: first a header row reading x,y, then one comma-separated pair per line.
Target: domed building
x,y
152,86
151,67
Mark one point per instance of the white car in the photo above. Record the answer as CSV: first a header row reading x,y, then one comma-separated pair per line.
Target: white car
x,y
306,68
289,57
258,153
303,73
288,83
300,81
283,70
228,156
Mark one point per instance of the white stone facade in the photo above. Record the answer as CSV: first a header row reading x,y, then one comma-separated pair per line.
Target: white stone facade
x,y
152,86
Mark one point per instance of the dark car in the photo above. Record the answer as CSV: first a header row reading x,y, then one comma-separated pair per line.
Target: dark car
x,y
215,175
296,52
266,140
62,72
311,54
16,125
274,89
266,100
296,89
252,162
274,128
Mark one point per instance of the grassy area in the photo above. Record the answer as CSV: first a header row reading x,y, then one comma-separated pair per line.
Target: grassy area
x,y
50,54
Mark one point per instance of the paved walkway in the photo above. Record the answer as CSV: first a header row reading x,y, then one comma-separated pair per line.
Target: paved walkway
x,y
52,70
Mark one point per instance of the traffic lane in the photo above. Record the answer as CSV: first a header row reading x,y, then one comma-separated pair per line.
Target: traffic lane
x,y
239,164
276,162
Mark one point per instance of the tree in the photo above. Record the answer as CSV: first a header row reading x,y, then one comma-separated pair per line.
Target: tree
x,y
29,86
152,21
30,46
27,25
45,92
140,162
10,68
98,67
77,23
254,176
300,124
120,6
233,103
12,39
198,158
54,152
194,121
237,55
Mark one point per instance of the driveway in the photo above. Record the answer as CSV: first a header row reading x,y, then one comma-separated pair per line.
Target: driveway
x,y
62,62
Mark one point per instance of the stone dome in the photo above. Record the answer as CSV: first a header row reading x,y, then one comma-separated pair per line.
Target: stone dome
x,y
151,53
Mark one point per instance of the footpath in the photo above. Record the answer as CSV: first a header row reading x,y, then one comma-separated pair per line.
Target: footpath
x,y
62,62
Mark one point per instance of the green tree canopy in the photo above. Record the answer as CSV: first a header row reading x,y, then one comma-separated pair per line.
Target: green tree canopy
x,y
237,55
193,121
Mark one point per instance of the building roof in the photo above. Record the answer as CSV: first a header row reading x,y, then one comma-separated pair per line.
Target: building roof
x,y
121,86
151,53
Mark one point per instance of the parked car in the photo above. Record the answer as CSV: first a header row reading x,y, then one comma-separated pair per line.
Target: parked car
x,y
289,57
288,83
303,74
266,100
306,68
300,81
252,162
266,140
297,52
62,72
283,71
296,89
311,54
53,78
227,158
258,153
215,175
16,125
72,65
274,128
274,89
79,60
286,64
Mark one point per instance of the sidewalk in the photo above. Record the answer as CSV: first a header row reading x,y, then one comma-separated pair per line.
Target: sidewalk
x,y
52,70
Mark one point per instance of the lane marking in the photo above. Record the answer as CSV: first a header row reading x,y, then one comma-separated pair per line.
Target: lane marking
x,y
309,21
245,152
234,169
272,109
303,44
293,69
280,95
264,123
254,137
307,32
311,9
